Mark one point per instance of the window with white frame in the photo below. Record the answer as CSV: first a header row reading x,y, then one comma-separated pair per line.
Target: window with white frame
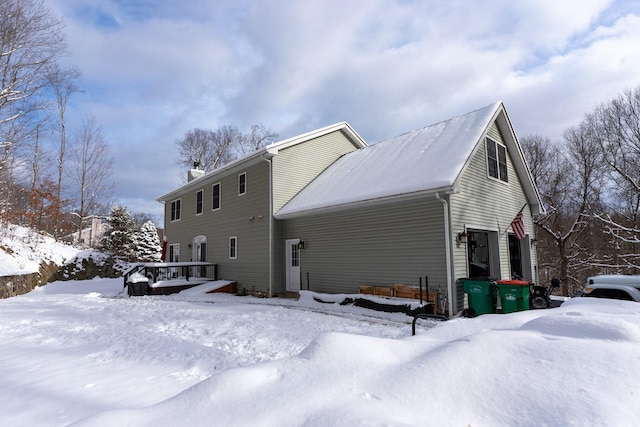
x,y
233,247
242,183
497,160
174,252
174,256
199,201
215,205
175,209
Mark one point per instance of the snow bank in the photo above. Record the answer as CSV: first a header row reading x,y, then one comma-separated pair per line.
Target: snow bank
x,y
91,356
23,250
529,369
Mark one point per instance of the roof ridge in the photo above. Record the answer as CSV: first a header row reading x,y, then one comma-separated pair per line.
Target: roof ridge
x,y
493,106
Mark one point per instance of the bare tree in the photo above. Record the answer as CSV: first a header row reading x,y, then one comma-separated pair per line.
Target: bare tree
x,y
92,166
31,38
257,138
615,125
211,149
63,84
37,153
567,176
207,148
139,218
11,131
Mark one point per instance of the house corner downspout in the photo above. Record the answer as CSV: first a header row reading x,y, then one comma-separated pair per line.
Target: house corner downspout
x,y
447,248
271,225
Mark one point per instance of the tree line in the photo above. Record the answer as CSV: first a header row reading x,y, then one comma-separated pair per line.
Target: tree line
x,y
54,178
51,178
589,181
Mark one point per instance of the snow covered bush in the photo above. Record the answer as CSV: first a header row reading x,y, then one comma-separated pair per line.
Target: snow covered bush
x,y
120,238
147,243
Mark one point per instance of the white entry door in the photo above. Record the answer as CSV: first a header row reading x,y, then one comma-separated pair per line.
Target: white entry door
x,y
293,264
199,254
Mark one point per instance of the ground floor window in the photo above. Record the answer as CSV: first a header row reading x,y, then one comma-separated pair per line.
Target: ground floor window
x,y
174,252
478,254
233,247
483,254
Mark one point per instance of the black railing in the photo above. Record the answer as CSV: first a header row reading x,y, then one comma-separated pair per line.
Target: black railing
x,y
161,271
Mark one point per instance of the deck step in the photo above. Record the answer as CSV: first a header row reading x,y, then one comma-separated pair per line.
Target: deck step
x,y
289,294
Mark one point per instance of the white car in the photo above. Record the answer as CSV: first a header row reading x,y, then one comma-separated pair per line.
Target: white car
x,y
614,286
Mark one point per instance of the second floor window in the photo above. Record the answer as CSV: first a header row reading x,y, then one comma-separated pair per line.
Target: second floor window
x,y
216,196
242,183
497,160
199,200
175,210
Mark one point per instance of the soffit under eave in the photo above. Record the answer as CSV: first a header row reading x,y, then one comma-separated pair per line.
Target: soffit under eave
x,y
520,162
342,127
214,176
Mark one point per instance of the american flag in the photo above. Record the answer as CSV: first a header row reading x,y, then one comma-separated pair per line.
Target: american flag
x,y
517,225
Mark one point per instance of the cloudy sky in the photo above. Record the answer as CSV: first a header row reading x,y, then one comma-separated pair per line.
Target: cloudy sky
x,y
153,69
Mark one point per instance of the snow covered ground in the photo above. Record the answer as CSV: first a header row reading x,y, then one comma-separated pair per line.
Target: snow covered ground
x,y
78,353
22,250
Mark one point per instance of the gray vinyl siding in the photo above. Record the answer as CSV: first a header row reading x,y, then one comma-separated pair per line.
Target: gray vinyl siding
x,y
296,166
487,204
243,216
382,245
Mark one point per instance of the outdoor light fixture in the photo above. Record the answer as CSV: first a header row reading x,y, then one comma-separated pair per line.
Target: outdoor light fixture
x,y
462,237
301,244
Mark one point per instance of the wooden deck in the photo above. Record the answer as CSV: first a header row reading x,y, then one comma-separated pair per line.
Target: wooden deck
x,y
164,278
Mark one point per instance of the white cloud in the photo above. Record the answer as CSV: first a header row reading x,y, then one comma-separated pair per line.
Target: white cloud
x,y
153,70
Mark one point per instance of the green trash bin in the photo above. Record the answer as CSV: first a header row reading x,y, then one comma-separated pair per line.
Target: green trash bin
x,y
481,295
514,295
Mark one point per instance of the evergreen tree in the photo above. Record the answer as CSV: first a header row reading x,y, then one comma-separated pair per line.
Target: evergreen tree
x,y
147,243
120,238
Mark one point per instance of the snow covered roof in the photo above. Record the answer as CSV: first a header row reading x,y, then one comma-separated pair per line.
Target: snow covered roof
x,y
424,160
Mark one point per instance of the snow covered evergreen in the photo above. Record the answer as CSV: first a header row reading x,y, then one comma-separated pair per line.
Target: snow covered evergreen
x,y
147,243
120,238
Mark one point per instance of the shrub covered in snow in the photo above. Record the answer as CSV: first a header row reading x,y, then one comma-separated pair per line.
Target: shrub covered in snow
x,y
147,243
120,238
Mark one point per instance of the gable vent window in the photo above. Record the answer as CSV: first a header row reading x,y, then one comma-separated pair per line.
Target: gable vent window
x,y
216,196
199,200
242,183
497,160
175,210
233,247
